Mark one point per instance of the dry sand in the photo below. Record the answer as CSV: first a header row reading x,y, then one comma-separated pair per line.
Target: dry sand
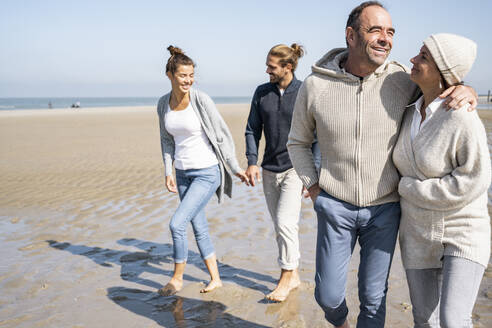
x,y
85,241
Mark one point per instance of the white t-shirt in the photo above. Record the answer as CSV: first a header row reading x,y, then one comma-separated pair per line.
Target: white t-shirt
x,y
192,148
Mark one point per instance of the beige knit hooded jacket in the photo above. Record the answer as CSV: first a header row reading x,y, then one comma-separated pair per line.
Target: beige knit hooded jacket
x,y
445,172
357,124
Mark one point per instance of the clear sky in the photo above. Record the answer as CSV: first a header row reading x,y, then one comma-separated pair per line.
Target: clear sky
x,y
56,48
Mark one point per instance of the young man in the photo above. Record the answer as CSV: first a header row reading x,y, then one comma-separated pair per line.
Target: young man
x,y
271,113
355,99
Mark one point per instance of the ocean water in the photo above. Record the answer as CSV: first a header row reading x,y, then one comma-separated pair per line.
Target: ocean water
x,y
85,102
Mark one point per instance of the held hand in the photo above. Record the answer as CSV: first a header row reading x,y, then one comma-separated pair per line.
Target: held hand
x,y
171,186
460,95
314,191
244,178
305,192
252,172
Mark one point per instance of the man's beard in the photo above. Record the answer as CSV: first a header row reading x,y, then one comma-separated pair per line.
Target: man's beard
x,y
274,78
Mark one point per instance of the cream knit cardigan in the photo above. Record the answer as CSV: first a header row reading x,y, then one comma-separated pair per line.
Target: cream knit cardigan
x,y
357,124
445,172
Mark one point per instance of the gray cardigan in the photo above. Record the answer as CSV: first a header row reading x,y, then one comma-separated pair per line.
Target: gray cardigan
x,y
216,131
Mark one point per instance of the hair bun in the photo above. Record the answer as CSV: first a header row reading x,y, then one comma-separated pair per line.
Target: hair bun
x,y
298,50
175,50
176,59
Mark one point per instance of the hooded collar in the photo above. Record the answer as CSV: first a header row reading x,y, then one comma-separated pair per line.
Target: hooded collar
x,y
330,64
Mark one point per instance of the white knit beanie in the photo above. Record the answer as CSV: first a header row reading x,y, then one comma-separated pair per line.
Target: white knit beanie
x,y
453,54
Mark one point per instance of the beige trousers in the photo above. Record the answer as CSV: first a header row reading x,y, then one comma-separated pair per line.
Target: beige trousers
x,y
283,194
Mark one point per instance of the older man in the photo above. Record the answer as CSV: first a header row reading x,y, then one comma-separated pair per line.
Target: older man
x,y
355,100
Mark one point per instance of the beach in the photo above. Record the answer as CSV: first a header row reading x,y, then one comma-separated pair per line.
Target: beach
x,y
85,241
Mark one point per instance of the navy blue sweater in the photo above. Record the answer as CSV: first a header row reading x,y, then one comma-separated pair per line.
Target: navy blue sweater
x,y
271,113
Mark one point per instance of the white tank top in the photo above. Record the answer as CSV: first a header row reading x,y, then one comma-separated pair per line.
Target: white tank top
x,y
192,148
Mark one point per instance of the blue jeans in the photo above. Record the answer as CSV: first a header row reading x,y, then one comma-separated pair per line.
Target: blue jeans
x,y
195,187
340,224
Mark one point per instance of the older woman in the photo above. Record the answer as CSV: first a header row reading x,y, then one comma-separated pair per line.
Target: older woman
x,y
195,137
444,161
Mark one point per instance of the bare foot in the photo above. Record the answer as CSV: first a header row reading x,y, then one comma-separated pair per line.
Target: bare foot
x,y
213,284
172,287
289,280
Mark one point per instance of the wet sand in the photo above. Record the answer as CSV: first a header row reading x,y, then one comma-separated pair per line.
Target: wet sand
x,y
85,239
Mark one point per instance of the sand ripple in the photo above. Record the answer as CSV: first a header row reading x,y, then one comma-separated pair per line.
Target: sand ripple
x,y
85,240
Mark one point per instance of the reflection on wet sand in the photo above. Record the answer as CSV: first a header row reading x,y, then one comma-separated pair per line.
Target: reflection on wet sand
x,y
184,312
134,264
85,238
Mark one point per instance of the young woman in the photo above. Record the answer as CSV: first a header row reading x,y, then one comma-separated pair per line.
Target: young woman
x,y
195,137
444,161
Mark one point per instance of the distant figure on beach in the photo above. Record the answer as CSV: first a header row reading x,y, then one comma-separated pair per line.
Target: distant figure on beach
x,y
444,161
50,106
355,100
196,139
76,105
271,113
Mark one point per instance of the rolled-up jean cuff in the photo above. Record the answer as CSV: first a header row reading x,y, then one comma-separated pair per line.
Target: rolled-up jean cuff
x,y
337,323
180,261
209,256
336,315
288,266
